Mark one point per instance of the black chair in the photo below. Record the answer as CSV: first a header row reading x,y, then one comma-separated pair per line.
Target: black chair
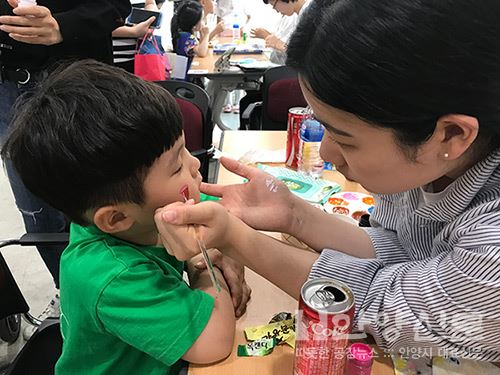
x,y
197,119
40,353
42,350
280,92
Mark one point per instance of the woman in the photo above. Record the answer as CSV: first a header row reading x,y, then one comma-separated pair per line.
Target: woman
x,y
409,94
287,8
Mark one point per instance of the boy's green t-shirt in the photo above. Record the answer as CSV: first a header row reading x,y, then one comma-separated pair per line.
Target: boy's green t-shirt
x,y
125,309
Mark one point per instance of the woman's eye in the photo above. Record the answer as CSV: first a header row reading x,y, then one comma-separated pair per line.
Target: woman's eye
x,y
331,137
334,140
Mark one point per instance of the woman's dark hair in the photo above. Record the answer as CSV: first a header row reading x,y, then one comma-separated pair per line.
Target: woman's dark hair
x,y
283,1
88,136
185,18
403,64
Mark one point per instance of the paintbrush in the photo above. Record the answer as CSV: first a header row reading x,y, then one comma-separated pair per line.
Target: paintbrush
x,y
201,244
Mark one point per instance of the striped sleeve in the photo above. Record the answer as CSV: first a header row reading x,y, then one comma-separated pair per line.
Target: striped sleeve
x,y
448,304
388,248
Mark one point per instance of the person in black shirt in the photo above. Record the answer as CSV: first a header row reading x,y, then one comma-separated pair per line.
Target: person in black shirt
x,y
33,40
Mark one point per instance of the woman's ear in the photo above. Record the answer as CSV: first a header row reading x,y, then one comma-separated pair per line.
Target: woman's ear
x,y
112,219
456,133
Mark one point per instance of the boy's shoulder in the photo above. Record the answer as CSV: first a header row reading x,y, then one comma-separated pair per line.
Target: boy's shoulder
x,y
97,257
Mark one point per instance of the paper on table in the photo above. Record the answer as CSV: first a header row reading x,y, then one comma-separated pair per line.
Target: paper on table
x,y
256,65
198,71
253,156
461,366
179,65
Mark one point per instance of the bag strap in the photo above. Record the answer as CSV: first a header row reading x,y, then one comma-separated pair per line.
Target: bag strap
x,y
149,34
143,40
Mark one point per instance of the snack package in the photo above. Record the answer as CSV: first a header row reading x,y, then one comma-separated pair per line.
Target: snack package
x,y
283,331
258,348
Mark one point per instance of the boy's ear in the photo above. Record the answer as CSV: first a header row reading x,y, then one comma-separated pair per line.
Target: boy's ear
x,y
112,219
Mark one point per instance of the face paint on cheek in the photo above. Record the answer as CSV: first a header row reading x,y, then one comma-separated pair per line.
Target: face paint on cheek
x,y
184,191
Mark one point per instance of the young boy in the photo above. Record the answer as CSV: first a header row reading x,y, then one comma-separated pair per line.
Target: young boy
x,y
107,149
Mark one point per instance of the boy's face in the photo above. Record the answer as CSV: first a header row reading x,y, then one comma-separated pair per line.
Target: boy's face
x,y
174,170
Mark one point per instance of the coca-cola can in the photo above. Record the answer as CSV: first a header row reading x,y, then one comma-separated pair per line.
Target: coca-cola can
x,y
295,117
326,312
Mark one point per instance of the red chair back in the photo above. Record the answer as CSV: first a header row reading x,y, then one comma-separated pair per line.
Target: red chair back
x,y
192,121
194,104
283,94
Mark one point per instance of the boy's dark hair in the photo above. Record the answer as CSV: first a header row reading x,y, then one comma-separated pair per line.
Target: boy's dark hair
x,y
185,18
404,64
88,136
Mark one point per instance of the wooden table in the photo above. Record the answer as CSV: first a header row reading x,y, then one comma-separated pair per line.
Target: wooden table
x,y
267,299
221,83
204,66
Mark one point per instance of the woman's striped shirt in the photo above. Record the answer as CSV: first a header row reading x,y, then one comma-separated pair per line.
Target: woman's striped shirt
x,y
435,283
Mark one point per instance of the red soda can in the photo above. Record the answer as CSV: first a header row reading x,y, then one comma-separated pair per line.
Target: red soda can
x,y
326,312
295,117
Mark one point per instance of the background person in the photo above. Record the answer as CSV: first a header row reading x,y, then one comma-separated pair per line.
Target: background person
x,y
33,39
125,38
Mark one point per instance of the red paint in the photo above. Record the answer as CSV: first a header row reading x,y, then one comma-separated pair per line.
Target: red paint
x,y
184,191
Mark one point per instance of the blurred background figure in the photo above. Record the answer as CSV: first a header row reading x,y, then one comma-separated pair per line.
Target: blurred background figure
x,y
125,37
76,29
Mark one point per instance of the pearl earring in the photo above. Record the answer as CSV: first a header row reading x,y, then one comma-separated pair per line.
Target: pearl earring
x,y
446,155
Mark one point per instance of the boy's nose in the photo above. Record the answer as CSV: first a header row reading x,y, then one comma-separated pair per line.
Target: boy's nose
x,y
195,165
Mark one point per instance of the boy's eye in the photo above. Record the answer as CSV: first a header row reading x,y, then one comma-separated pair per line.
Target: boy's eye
x,y
178,169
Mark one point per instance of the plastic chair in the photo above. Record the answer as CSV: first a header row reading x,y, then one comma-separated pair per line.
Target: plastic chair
x,y
280,92
196,118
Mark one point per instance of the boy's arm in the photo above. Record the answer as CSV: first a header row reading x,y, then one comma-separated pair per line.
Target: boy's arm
x,y
216,340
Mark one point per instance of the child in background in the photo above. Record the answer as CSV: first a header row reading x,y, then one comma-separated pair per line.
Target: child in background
x,y
186,22
208,16
108,149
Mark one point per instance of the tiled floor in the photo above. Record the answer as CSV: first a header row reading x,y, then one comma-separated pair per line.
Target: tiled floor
x,y
26,265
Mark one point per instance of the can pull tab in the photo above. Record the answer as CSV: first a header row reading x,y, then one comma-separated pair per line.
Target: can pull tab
x,y
322,298
327,296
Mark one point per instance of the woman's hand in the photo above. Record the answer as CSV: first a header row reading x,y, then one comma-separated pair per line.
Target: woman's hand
x,y
31,24
273,41
178,235
264,202
259,33
150,5
141,29
178,240
219,28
